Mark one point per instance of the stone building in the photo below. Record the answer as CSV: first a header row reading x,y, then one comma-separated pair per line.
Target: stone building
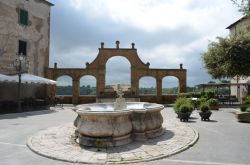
x,y
24,29
240,91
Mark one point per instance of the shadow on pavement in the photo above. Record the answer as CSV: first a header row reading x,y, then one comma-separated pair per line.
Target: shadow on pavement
x,y
25,114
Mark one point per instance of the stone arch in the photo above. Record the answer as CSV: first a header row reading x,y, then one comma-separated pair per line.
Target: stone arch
x,y
144,85
118,79
170,82
106,53
97,68
87,85
64,83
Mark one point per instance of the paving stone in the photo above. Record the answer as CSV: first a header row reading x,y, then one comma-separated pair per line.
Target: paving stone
x,y
58,143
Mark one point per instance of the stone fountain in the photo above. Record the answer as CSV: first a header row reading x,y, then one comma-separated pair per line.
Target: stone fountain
x,y
119,123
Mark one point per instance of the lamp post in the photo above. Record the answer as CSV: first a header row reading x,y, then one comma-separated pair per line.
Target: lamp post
x,y
21,64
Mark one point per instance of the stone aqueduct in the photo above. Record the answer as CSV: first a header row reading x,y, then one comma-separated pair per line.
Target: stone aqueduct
x,y
98,70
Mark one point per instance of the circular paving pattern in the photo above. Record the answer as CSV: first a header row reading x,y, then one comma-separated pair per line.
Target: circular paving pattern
x,y
58,143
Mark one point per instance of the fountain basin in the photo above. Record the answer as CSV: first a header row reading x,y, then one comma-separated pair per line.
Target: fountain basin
x,y
99,125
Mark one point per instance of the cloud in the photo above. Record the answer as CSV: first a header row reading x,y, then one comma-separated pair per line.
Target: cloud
x,y
151,15
166,32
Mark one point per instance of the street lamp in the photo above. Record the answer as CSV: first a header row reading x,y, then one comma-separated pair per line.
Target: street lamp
x,y
21,64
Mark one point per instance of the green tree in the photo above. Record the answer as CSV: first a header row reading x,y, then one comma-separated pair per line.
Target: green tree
x,y
229,56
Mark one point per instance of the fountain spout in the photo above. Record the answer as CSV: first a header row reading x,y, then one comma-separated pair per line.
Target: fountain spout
x,y
120,102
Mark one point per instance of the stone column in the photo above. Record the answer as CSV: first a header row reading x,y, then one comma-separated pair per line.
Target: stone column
x,y
159,89
100,81
134,83
76,90
50,89
182,84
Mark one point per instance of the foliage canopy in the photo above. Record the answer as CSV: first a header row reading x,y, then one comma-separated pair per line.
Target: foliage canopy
x,y
229,57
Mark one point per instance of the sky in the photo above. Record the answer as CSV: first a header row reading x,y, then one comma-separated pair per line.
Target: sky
x,y
165,32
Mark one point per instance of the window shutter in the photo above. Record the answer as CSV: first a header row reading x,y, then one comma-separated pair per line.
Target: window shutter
x,y
23,17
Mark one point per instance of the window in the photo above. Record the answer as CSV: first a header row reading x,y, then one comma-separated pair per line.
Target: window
x,y
22,47
23,17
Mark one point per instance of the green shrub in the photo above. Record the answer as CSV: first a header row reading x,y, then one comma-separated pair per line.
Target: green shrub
x,y
210,94
183,101
243,107
185,108
204,107
247,100
200,101
179,101
213,102
203,94
196,94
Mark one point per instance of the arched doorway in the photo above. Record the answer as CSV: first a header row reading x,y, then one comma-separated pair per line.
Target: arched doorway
x,y
64,86
170,85
118,71
147,86
88,86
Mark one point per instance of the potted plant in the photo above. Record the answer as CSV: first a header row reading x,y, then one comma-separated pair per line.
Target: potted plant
x,y
205,113
243,107
244,114
179,101
185,111
213,104
200,101
182,101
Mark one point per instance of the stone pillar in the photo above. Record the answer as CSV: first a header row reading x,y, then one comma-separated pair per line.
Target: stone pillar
x,y
159,89
76,90
50,89
134,83
182,84
117,44
100,81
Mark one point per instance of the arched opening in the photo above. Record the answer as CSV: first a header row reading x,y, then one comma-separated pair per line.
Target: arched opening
x,y
147,86
170,85
88,86
118,71
64,86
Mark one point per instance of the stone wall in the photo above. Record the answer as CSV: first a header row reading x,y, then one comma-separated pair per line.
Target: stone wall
x,y
166,99
97,68
242,24
36,33
240,91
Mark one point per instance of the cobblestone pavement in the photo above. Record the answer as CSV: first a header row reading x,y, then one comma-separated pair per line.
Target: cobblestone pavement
x,y
58,143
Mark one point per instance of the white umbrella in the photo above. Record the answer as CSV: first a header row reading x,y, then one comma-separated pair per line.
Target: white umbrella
x,y
29,78
5,78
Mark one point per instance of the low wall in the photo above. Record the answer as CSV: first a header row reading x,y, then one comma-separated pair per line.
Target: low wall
x,y
148,98
166,99
169,99
65,99
86,99
81,99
